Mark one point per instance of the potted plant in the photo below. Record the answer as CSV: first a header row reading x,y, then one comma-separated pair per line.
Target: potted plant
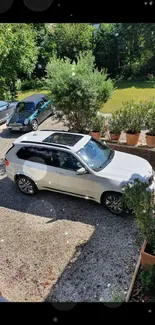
x,y
97,126
141,200
150,124
115,126
132,118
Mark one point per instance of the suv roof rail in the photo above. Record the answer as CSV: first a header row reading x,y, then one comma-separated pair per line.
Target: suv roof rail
x,y
46,144
56,130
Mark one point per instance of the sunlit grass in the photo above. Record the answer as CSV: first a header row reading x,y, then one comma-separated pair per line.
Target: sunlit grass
x,y
24,94
129,90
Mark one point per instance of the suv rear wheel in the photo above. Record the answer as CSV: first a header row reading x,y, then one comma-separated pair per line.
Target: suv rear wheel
x,y
26,185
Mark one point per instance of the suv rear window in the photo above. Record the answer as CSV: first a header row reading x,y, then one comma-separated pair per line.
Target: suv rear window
x,y
43,156
64,139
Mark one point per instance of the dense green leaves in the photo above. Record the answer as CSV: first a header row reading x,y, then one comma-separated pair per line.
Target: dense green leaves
x,y
18,53
78,89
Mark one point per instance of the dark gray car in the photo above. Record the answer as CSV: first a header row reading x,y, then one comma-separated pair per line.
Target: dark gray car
x,y
6,110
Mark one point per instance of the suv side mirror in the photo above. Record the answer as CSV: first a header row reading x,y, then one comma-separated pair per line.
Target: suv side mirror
x,y
82,171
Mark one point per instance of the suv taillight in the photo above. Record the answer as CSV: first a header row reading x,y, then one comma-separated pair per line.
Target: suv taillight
x,y
6,162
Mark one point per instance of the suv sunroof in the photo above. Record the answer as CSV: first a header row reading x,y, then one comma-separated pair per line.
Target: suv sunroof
x,y
63,138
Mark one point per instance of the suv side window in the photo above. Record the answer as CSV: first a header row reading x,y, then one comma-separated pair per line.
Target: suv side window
x,y
68,161
43,156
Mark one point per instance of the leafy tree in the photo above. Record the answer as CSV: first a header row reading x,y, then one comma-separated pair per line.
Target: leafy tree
x,y
71,39
78,89
19,54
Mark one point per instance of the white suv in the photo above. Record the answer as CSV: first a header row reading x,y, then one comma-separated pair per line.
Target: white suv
x,y
74,164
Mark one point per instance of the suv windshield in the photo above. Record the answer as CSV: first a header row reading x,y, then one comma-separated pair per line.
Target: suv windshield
x,y
96,154
25,106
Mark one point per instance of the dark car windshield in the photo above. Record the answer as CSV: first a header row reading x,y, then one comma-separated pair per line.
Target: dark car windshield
x,y
96,154
25,106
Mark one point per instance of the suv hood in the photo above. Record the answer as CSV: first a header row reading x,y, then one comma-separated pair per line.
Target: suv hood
x,y
124,167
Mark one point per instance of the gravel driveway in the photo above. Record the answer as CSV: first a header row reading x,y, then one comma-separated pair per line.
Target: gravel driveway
x,y
61,248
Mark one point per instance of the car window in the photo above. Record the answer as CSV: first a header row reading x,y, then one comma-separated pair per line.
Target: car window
x,y
43,156
68,161
96,154
39,105
25,106
45,100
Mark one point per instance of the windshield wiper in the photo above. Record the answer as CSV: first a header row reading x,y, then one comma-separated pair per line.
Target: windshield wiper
x,y
111,154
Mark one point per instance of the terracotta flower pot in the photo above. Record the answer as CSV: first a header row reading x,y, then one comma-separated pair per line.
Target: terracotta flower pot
x,y
114,137
150,140
96,135
132,139
146,258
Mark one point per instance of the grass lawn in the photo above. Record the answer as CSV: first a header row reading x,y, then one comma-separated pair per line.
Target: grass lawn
x,y
27,93
125,90
129,90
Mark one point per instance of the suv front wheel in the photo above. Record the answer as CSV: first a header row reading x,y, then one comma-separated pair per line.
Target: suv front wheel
x,y
112,201
26,185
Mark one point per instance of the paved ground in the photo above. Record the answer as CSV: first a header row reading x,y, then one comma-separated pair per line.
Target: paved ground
x,y
60,247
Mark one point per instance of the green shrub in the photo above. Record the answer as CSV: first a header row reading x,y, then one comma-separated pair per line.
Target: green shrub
x,y
147,278
29,84
150,119
4,90
138,198
132,116
115,125
96,124
78,89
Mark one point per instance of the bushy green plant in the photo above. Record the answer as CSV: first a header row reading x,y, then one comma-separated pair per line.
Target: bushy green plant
x,y
97,123
138,197
150,120
132,116
29,84
147,278
78,89
115,123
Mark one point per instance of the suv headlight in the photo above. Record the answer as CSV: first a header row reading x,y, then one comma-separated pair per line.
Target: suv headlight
x,y
26,122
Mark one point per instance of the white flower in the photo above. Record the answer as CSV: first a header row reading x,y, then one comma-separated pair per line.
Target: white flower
x,y
73,74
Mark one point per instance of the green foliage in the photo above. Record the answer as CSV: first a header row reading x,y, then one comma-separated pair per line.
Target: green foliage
x,y
150,118
4,90
117,296
126,49
28,84
19,55
138,198
147,278
132,116
115,125
97,123
71,39
78,89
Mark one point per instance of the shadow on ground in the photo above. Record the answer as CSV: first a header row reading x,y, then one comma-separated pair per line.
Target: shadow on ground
x,y
105,261
136,84
6,134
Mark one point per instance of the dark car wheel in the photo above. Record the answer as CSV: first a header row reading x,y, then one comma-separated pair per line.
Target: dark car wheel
x,y
34,125
26,185
112,201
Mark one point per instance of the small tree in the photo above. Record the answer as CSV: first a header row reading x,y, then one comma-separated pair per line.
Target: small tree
x,y
78,89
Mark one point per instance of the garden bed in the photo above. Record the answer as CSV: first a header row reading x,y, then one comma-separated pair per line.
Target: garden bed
x,y
138,293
